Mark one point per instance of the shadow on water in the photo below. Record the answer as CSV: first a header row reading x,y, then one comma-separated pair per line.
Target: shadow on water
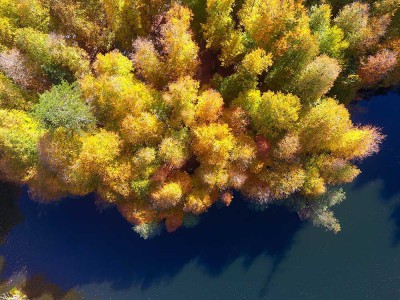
x,y
73,244
383,110
10,214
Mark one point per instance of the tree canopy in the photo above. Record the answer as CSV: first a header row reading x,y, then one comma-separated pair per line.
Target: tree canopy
x,y
163,108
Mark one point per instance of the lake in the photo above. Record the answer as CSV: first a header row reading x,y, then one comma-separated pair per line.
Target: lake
x,y
234,253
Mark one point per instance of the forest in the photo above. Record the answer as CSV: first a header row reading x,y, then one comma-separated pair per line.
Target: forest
x,y
164,108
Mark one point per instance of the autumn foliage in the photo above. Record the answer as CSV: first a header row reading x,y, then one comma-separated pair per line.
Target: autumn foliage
x,y
163,108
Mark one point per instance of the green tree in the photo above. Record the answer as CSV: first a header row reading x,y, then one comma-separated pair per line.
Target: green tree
x,y
353,20
330,38
294,50
58,60
63,106
253,64
316,79
219,22
271,114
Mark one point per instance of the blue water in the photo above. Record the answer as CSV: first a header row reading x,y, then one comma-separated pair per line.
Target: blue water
x,y
234,253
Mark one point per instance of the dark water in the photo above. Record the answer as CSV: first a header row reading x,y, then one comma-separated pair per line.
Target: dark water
x,y
233,253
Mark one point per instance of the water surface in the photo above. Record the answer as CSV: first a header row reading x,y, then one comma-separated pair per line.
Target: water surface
x,y
234,253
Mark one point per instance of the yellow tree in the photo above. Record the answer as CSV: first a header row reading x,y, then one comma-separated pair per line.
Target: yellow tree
x,y
323,126
7,33
114,92
327,128
180,49
232,47
335,170
168,195
314,185
174,148
124,19
113,64
148,63
213,143
358,143
199,200
209,106
181,97
12,96
219,22
283,179
116,181
145,165
26,13
256,62
85,22
265,20
58,153
19,135
144,128
97,153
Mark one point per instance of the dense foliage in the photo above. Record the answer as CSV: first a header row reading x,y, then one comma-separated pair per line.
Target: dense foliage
x,y
163,107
